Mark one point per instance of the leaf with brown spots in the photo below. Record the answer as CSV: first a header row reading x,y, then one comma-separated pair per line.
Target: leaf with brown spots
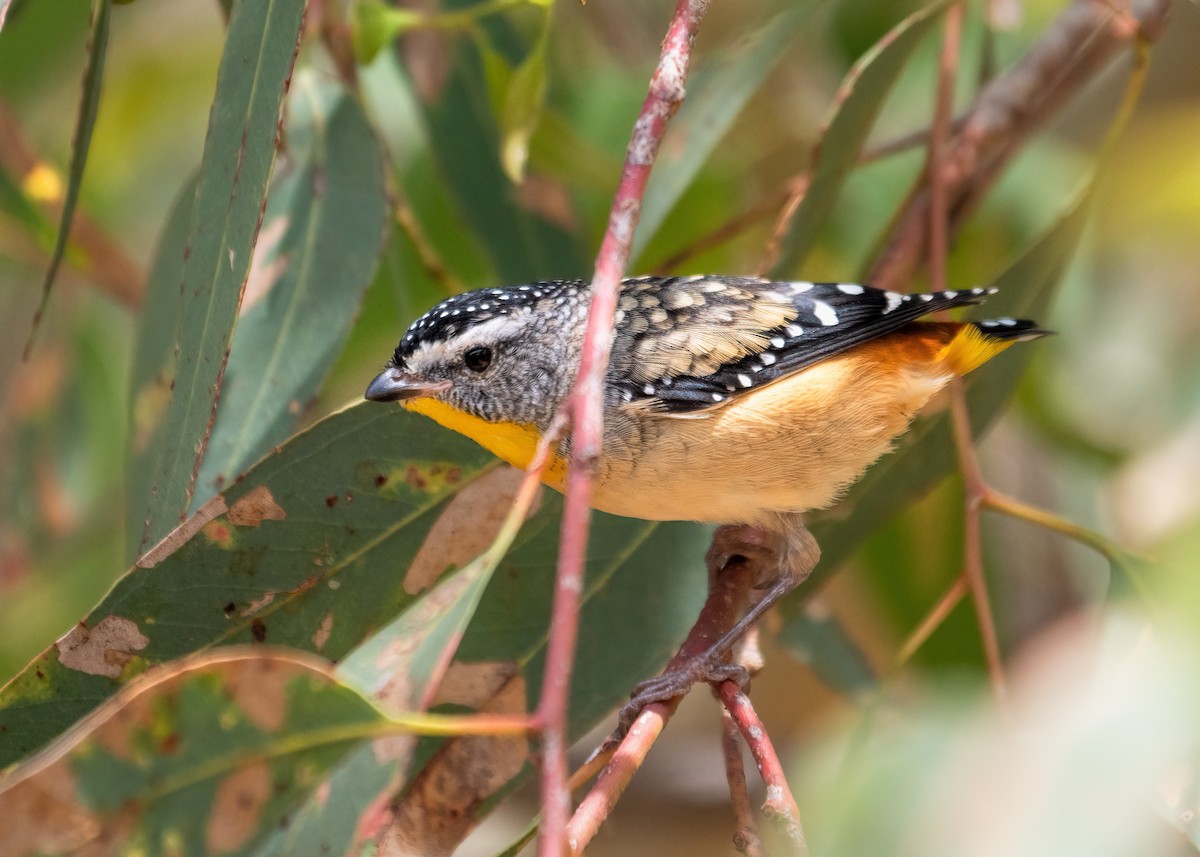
x,y
327,577
103,650
213,751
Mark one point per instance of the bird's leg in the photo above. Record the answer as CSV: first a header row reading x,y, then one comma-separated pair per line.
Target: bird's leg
x,y
784,562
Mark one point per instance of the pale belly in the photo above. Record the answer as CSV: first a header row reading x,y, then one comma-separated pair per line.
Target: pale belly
x,y
792,446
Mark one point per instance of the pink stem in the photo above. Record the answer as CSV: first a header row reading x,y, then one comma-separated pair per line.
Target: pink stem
x,y
586,410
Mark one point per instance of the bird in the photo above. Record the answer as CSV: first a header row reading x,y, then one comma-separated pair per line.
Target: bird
x,y
737,401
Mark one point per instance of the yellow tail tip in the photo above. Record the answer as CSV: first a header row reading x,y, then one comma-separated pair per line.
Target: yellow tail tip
x,y
978,342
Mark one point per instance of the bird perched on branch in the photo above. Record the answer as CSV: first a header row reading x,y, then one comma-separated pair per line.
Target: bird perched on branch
x,y
728,400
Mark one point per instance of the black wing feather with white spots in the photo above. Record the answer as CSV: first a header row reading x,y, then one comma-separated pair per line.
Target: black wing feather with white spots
x,y
825,319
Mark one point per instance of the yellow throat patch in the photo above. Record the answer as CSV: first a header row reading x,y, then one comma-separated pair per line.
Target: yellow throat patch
x,y
514,443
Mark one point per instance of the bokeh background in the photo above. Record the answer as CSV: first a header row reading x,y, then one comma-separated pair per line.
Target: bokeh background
x,y
1105,429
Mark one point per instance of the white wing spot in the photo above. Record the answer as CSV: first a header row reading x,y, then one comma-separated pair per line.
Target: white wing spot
x,y
778,342
927,297
1007,322
648,389
794,330
800,287
894,299
849,289
717,397
767,358
745,380
949,295
825,313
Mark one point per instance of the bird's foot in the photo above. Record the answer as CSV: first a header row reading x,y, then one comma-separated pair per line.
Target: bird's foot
x,y
708,667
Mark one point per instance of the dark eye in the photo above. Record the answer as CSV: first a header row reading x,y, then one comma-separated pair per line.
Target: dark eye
x,y
477,358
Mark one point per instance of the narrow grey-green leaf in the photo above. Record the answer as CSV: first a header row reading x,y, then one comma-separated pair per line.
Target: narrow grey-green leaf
x,y
239,153
858,102
89,104
714,102
322,232
153,369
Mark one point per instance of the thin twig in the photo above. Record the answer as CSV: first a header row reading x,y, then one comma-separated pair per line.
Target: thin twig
x,y
1007,113
932,621
944,105
1121,559
779,806
727,231
665,94
627,758
426,252
975,488
745,837
798,187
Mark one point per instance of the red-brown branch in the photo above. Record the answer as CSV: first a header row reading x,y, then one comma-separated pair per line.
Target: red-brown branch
x,y
728,596
585,406
745,836
779,806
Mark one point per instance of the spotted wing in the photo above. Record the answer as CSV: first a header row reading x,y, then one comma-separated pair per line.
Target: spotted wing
x,y
822,319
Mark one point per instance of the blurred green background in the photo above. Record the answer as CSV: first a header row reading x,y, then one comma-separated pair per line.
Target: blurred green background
x,y
1105,429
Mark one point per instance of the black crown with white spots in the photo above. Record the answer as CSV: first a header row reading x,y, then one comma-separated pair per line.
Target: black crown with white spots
x,y
455,314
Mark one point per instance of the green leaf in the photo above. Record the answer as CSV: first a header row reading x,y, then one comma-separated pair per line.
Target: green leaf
x,y
858,102
398,667
341,531
714,102
239,153
89,103
520,107
206,755
927,454
523,245
326,218
154,361
375,25
815,637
